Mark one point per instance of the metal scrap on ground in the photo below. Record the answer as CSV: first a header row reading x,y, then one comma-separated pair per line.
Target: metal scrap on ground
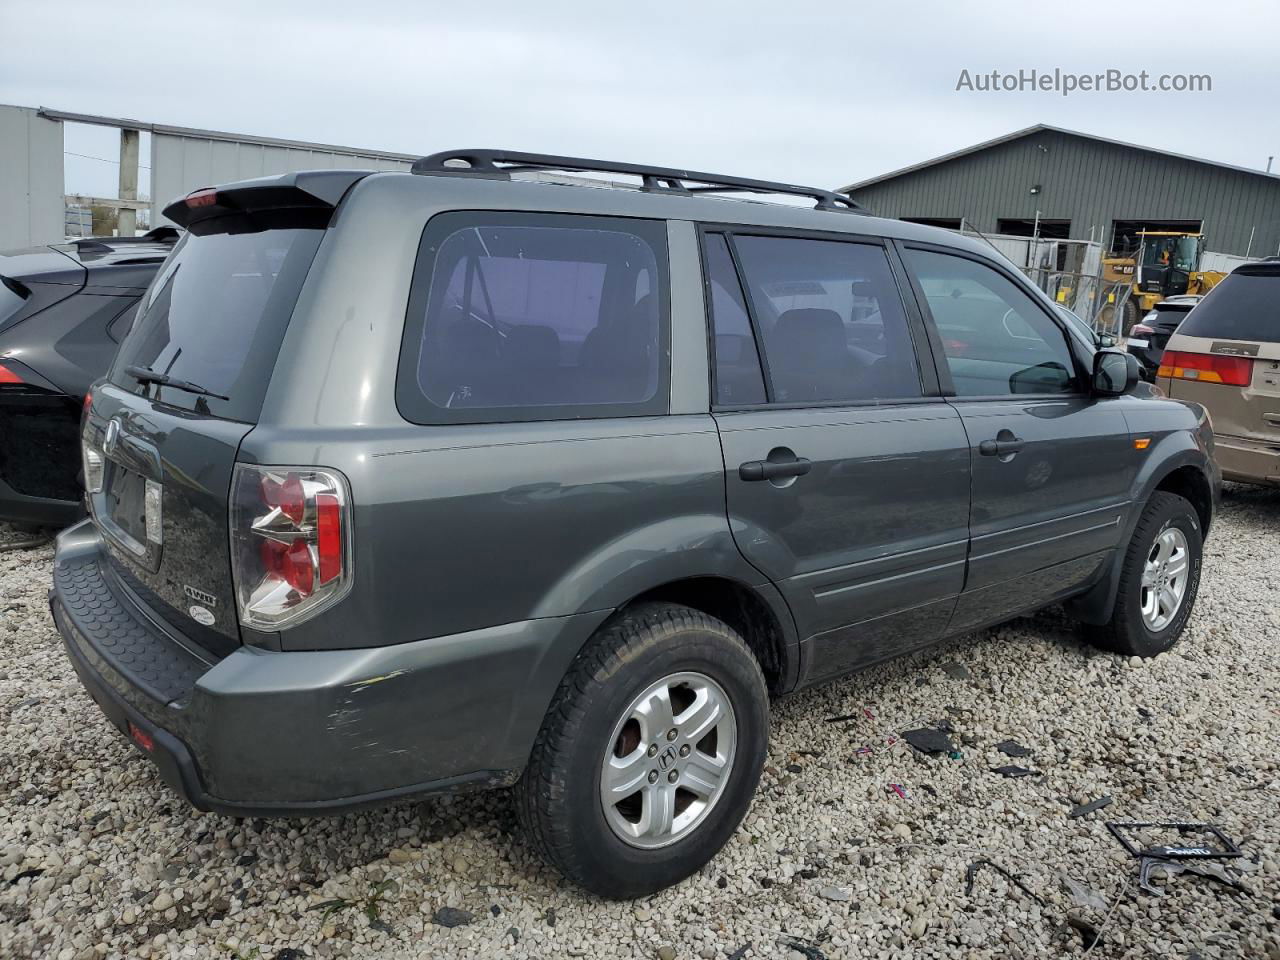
x,y
1011,748
1200,848
1087,808
928,740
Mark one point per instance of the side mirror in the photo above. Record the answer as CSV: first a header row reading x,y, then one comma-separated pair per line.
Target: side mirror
x,y
1107,340
1115,373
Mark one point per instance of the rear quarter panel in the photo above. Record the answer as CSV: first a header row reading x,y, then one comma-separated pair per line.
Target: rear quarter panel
x,y
462,527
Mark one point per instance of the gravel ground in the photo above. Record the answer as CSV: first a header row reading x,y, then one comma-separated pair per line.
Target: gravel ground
x,y
97,858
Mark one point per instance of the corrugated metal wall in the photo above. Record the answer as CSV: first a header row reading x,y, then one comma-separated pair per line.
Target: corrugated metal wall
x,y
1092,184
31,204
180,164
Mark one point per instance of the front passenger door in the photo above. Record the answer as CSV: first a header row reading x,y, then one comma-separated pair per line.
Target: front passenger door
x,y
847,475
1052,465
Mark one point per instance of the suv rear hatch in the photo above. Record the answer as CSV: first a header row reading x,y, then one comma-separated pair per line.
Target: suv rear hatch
x,y
1226,354
162,432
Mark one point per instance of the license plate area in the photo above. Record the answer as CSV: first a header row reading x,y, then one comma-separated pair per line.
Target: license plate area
x,y
121,512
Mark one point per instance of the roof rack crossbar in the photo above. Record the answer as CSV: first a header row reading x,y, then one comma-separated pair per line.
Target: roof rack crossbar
x,y
653,179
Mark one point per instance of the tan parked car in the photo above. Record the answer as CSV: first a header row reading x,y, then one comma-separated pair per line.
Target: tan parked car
x,y
1226,356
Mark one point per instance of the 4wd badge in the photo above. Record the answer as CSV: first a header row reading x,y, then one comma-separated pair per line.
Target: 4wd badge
x,y
208,599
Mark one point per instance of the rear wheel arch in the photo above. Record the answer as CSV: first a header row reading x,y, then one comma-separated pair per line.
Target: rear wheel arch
x,y
755,617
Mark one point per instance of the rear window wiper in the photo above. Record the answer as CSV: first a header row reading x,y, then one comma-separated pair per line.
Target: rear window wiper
x,y
147,375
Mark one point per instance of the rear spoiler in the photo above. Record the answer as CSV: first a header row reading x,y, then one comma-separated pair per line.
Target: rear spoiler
x,y
305,199
1269,267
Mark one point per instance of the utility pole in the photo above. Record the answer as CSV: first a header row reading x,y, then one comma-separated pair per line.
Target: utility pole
x,y
128,215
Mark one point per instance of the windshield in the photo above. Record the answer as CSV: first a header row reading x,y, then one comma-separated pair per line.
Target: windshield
x,y
1178,252
1077,324
215,316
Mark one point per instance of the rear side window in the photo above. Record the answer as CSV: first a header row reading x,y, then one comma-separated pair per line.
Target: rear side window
x,y
215,316
1244,306
831,319
536,317
738,378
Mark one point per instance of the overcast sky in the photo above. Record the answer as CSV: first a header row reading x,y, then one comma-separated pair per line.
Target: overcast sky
x,y
825,93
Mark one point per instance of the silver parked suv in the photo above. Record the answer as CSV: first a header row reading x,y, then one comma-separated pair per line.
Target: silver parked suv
x,y
409,482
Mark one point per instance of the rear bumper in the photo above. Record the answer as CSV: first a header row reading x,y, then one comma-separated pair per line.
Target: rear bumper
x,y
1248,461
40,459
265,733
42,511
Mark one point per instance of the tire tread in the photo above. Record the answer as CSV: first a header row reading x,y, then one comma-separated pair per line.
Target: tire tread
x,y
540,792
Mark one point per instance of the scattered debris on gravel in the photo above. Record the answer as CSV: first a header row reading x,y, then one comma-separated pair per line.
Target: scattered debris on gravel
x,y
857,845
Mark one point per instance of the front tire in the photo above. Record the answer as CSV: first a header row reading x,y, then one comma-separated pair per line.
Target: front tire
x,y
650,753
1158,580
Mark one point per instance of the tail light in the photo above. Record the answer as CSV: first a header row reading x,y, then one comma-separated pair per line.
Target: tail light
x,y
1141,330
8,375
94,467
290,543
1207,368
201,198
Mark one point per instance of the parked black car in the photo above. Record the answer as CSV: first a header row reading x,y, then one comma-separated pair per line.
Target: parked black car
x,y
1148,337
63,310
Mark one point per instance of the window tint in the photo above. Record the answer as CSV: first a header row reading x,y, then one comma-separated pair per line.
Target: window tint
x,y
996,338
119,328
12,299
1244,306
532,317
738,376
831,319
215,315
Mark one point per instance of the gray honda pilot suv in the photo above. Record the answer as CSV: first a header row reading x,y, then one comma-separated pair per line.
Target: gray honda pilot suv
x,y
485,475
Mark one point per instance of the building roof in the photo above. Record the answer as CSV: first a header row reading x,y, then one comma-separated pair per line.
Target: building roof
x,y
1042,128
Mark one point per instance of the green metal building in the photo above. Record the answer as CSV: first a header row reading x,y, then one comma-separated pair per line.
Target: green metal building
x,y
1060,184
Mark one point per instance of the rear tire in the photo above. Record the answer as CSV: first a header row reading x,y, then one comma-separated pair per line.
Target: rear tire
x,y
694,775
1158,580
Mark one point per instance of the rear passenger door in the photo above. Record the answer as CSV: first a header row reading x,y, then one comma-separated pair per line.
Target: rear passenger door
x,y
1052,465
847,474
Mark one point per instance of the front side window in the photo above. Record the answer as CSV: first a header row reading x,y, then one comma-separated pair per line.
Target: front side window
x,y
997,340
831,319
535,317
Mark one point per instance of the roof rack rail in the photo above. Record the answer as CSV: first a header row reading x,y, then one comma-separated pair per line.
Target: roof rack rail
x,y
654,179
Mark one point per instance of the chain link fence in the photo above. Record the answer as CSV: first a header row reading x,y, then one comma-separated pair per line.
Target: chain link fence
x,y
1071,273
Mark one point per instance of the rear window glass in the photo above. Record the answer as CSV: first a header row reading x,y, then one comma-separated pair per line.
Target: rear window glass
x,y
1242,307
535,317
11,300
215,316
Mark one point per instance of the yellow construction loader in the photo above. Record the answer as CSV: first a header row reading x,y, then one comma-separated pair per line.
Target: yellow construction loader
x,y
1165,264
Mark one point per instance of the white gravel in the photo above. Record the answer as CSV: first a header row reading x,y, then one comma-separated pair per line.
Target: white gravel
x,y
97,858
